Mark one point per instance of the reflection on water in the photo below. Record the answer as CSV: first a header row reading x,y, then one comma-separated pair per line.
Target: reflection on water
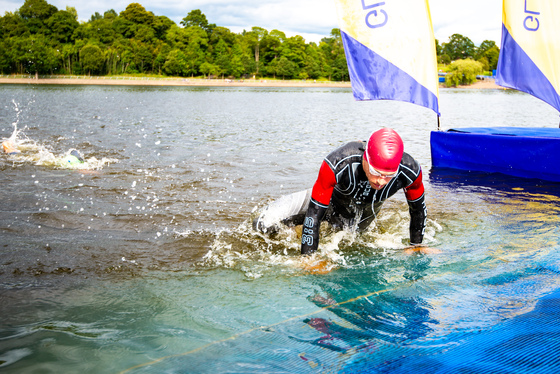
x,y
144,260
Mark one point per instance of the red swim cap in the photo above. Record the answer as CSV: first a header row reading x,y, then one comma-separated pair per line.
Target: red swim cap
x,y
384,150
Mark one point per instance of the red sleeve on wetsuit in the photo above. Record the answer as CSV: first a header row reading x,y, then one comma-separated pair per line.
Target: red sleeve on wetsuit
x,y
415,190
324,186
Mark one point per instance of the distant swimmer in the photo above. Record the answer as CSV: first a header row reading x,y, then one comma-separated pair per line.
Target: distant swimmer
x,y
353,183
74,158
9,148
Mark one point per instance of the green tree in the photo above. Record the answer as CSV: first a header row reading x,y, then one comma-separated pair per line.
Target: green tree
x,y
484,63
444,59
286,68
69,55
459,47
5,58
197,18
332,49
144,33
484,47
110,14
222,57
222,33
96,17
72,11
240,61
196,48
207,68
62,25
35,13
12,25
161,57
34,55
127,56
439,50
272,67
462,72
161,25
112,60
136,13
92,58
312,62
143,57
488,50
493,54
272,44
294,49
123,27
340,69
177,37
103,31
254,38
37,9
176,63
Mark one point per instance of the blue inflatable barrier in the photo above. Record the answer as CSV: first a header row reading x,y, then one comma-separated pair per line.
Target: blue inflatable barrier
x,y
517,151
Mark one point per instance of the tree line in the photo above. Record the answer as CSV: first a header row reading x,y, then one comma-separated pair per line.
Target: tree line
x,y
38,38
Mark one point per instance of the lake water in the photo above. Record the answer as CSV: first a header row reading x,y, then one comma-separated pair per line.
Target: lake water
x,y
143,260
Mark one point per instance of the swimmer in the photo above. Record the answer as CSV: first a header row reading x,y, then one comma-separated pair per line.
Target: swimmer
x,y
72,159
353,183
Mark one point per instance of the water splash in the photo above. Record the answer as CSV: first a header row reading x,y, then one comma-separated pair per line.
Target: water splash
x,y
14,136
257,254
26,150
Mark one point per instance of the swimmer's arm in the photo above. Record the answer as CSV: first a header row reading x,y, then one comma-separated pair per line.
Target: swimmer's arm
x,y
418,216
417,208
320,199
311,226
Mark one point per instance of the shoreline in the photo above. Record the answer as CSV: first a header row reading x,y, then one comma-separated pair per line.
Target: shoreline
x,y
486,84
154,82
174,82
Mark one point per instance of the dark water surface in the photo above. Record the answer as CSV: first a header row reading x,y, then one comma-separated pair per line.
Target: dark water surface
x,y
144,259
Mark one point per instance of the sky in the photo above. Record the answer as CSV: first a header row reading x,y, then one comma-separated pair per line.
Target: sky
x,y
478,20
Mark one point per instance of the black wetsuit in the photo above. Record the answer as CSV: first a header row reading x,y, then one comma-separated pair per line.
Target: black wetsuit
x,y
343,196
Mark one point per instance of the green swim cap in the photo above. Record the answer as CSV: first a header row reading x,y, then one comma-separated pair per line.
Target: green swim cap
x,y
72,160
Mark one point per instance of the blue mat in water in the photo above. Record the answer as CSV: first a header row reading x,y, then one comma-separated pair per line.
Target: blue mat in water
x,y
529,343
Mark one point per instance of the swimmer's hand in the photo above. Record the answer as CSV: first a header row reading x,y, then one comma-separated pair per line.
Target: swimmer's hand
x,y
315,265
419,248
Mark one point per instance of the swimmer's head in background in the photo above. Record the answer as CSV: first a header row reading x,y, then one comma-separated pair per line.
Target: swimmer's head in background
x,y
74,158
384,150
77,154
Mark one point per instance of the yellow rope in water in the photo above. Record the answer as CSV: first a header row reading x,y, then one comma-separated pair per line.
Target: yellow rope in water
x,y
233,337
